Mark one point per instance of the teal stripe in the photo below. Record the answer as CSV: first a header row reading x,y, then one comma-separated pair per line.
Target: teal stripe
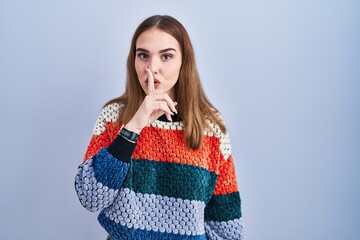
x,y
223,207
170,179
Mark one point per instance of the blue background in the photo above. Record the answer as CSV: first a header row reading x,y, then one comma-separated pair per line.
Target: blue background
x,y
285,75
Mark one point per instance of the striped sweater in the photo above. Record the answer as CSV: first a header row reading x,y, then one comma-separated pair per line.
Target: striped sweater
x,y
157,188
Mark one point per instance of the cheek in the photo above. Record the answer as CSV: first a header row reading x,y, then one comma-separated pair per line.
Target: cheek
x,y
138,68
172,69
176,70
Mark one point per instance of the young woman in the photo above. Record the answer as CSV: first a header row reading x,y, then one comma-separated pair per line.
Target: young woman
x,y
159,163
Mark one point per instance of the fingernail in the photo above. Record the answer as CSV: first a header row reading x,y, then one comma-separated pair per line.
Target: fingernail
x,y
175,103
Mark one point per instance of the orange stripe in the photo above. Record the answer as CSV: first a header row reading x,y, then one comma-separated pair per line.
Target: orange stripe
x,y
165,145
226,182
103,140
151,146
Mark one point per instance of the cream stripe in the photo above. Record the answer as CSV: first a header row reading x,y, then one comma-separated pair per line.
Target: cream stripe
x,y
109,113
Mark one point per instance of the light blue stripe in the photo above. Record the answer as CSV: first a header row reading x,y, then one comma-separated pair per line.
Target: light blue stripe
x,y
232,229
157,213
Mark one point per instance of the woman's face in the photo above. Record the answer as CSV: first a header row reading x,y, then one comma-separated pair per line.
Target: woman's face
x,y
160,52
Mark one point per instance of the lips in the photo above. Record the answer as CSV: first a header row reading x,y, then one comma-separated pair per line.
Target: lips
x,y
156,82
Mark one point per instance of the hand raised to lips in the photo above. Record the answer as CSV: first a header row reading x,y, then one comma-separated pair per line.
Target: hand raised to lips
x,y
153,106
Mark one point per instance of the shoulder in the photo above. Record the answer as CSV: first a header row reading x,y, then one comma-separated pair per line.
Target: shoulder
x,y
213,130
109,114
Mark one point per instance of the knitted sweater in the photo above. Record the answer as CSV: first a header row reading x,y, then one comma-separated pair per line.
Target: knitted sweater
x,y
157,188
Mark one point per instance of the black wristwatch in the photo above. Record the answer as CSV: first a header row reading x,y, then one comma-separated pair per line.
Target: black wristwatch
x,y
129,135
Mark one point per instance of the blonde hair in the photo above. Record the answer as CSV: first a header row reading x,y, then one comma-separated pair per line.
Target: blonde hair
x,y
193,106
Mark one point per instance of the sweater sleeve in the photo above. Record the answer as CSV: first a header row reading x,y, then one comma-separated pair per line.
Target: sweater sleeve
x,y
105,164
223,218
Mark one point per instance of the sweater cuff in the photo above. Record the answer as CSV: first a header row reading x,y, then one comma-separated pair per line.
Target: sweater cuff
x,y
121,149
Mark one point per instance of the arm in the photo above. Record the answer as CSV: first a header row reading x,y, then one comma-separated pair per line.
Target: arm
x,y
223,211
107,158
105,165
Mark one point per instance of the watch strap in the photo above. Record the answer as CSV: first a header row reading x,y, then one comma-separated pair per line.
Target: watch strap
x,y
129,135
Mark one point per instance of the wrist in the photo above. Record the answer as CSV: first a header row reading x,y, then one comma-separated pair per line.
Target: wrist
x,y
132,128
129,135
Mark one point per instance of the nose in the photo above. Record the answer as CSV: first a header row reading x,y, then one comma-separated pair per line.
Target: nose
x,y
154,65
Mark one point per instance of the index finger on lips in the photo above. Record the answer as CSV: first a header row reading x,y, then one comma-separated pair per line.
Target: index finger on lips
x,y
150,85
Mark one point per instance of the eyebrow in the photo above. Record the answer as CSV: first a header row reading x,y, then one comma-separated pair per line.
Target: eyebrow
x,y
161,51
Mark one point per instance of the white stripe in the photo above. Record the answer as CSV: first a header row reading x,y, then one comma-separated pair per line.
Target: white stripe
x,y
109,113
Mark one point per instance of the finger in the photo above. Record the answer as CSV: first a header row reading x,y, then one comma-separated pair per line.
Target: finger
x,y
168,117
168,100
162,106
151,86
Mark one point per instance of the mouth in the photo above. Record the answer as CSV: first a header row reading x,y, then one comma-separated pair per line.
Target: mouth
x,y
156,82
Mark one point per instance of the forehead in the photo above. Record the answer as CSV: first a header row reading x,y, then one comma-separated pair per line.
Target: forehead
x,y
155,39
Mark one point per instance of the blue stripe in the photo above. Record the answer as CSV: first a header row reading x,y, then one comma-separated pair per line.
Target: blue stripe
x,y
118,232
108,170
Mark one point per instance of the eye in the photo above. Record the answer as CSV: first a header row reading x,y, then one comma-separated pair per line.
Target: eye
x,y
143,56
166,57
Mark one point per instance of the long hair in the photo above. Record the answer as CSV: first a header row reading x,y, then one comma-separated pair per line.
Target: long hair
x,y
193,106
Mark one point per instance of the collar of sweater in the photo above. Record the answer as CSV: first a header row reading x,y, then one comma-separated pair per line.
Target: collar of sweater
x,y
175,118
